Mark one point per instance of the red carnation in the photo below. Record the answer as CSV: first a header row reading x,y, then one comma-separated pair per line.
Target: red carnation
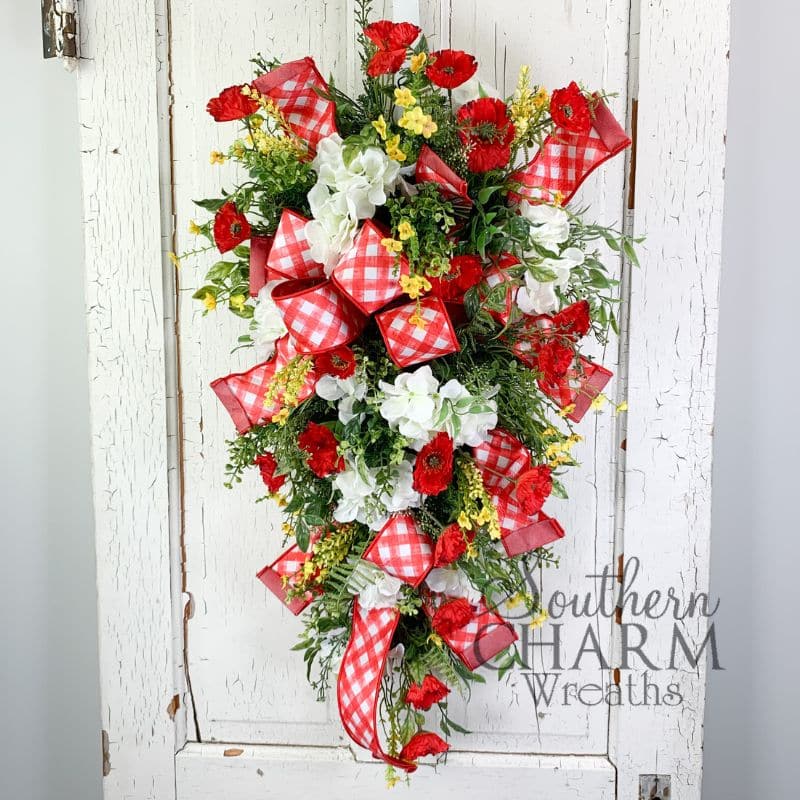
x,y
569,109
486,129
451,616
573,321
267,466
231,104
433,469
230,228
450,68
392,40
423,744
340,362
321,446
554,360
465,272
450,546
424,695
533,488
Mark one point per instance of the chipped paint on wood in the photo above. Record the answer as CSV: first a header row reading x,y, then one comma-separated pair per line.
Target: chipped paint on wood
x,y
145,140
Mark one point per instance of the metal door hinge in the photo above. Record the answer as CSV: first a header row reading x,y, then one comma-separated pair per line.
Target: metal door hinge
x,y
655,787
60,31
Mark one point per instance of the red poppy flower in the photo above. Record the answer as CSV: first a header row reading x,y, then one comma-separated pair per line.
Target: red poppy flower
x,y
340,362
433,469
231,104
487,131
450,68
533,488
392,40
465,272
450,546
424,695
230,228
267,466
321,446
554,360
451,616
423,744
573,321
569,109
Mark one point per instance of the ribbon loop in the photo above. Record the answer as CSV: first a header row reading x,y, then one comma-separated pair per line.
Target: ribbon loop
x,y
566,159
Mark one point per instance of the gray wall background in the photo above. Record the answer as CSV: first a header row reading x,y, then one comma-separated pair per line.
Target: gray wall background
x,y
49,707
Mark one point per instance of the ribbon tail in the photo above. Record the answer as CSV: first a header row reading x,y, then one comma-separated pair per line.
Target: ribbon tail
x,y
360,675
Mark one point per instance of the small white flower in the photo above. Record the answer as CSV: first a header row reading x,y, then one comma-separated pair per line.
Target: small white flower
x,y
453,582
347,391
402,495
466,418
410,403
384,592
357,487
267,324
550,224
538,297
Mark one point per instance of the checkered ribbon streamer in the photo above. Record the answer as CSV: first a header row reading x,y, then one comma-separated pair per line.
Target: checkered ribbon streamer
x,y
502,458
260,247
566,159
431,169
368,273
523,532
495,276
278,577
579,388
401,549
480,639
417,332
295,88
242,393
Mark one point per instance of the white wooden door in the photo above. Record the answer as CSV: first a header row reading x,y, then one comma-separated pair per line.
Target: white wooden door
x,y
203,698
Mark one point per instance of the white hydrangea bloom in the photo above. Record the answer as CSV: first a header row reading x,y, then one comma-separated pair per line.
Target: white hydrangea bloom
x,y
537,297
345,194
418,408
453,582
267,324
383,592
347,391
550,224
468,419
402,494
410,403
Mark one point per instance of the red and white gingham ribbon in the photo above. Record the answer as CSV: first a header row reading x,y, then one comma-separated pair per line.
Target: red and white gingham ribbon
x,y
431,169
279,577
480,639
566,159
418,331
243,393
501,459
295,88
402,550
368,273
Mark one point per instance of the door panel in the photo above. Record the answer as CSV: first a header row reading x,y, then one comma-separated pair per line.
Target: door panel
x,y
247,684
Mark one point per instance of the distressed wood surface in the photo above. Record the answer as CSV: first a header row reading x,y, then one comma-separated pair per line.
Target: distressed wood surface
x,y
204,772
682,91
145,143
248,686
121,151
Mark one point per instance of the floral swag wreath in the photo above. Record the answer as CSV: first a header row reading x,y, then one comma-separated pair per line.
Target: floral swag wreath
x,y
419,287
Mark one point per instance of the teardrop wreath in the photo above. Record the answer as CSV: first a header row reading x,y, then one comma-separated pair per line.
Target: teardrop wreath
x,y
418,289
